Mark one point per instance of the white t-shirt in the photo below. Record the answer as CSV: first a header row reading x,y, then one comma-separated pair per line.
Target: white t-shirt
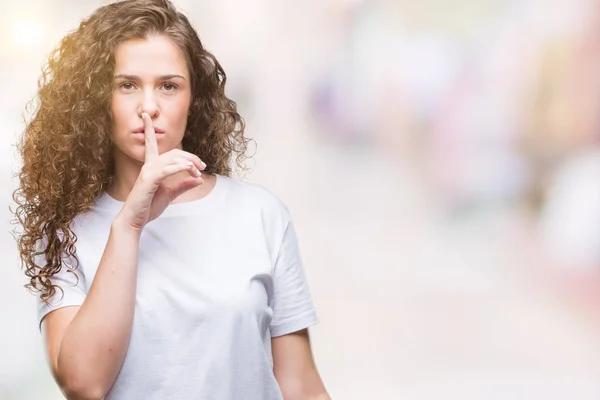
x,y
218,277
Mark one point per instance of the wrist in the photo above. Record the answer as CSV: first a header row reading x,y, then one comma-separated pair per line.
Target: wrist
x,y
122,224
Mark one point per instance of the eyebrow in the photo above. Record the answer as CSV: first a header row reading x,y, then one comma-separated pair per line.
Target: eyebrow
x,y
137,78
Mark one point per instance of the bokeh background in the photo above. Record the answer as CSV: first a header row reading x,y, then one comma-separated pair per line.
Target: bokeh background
x,y
441,160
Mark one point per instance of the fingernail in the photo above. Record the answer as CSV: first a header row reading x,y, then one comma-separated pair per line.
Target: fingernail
x,y
203,164
198,172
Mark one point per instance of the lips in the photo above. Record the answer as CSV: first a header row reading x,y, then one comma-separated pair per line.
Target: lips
x,y
142,129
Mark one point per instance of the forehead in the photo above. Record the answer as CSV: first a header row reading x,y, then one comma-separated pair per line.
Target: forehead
x,y
154,55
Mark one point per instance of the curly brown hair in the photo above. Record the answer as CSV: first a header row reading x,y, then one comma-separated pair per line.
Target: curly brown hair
x,y
66,147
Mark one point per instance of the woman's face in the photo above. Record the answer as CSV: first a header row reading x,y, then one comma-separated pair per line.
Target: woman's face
x,y
151,76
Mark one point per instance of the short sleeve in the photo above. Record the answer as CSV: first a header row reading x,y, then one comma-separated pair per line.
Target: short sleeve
x,y
292,305
73,293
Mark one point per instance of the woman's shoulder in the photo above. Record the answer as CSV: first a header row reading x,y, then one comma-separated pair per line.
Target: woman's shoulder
x,y
257,194
98,217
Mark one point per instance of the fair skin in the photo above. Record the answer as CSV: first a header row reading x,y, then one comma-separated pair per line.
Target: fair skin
x,y
86,345
151,76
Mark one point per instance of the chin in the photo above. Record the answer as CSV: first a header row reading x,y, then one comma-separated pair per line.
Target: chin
x,y
138,156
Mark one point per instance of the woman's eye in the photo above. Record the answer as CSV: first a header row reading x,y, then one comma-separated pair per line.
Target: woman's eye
x,y
169,87
127,85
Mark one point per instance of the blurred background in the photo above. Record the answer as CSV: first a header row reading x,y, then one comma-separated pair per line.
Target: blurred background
x,y
441,161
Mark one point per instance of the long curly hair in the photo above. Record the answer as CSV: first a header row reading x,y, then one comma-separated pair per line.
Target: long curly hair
x,y
66,147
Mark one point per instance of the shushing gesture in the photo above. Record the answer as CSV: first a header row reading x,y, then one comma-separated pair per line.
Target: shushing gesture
x,y
150,195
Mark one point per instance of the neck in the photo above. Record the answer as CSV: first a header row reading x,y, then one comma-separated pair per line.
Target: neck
x,y
127,170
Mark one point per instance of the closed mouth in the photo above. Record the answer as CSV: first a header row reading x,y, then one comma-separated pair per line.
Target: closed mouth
x,y
142,129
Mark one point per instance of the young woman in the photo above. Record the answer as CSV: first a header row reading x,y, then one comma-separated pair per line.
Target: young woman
x,y
159,276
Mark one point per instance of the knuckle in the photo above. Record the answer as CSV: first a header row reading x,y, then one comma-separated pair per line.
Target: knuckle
x,y
163,173
148,174
178,152
186,154
180,160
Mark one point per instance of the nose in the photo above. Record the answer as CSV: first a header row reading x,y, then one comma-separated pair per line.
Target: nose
x,y
149,105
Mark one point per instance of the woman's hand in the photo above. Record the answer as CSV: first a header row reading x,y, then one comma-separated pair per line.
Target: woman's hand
x,y
150,196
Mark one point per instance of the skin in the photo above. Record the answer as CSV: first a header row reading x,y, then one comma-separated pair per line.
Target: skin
x,y
140,86
86,345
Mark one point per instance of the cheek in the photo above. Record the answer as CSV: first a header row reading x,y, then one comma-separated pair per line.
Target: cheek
x,y
178,112
121,120
118,110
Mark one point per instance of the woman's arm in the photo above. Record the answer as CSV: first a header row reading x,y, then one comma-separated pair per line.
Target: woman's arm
x,y
86,345
295,369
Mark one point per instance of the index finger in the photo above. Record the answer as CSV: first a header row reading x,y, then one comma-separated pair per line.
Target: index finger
x,y
150,139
